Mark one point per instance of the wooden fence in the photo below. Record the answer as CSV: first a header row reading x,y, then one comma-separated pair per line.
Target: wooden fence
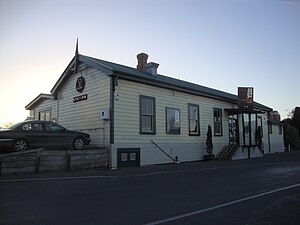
x,y
36,160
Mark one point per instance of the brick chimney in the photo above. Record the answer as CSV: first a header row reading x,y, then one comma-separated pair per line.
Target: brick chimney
x,y
150,68
142,61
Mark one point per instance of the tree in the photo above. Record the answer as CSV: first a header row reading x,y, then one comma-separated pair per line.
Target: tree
x,y
8,124
292,130
291,137
209,144
296,118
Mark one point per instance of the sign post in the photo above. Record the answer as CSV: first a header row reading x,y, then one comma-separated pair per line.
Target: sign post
x,y
245,104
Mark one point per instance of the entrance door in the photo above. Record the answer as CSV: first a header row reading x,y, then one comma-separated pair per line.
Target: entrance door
x,y
233,130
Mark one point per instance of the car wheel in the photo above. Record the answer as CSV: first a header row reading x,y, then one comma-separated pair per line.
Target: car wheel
x,y
20,145
78,143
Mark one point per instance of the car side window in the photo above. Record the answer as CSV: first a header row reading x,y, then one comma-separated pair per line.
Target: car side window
x,y
27,126
32,126
37,126
54,128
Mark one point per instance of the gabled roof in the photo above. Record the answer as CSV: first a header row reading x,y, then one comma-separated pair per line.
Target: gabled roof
x,y
133,74
70,70
39,98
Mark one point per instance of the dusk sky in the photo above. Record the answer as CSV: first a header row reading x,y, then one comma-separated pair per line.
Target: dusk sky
x,y
221,44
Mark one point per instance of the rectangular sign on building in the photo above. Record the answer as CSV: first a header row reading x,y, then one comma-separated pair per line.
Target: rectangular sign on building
x,y
245,98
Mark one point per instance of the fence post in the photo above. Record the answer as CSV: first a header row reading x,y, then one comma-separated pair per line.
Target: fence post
x,y
38,158
68,160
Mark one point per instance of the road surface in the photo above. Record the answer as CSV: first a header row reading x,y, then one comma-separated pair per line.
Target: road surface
x,y
255,191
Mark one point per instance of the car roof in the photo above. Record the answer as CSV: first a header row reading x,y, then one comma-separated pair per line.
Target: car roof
x,y
37,121
31,121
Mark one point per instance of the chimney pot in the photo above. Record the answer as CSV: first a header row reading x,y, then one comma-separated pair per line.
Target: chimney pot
x,y
151,68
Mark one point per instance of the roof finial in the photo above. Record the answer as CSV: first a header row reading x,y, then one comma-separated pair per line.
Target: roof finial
x,y
76,57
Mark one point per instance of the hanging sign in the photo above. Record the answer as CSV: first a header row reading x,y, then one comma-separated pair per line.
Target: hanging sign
x,y
80,83
245,98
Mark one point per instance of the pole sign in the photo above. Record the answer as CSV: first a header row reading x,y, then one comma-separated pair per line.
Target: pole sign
x,y
245,98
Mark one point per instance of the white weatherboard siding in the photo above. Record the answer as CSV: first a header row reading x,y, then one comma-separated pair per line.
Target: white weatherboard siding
x,y
276,139
187,148
85,115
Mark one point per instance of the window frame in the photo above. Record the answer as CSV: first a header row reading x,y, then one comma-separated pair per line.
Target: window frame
x,y
191,133
215,122
43,115
153,132
167,121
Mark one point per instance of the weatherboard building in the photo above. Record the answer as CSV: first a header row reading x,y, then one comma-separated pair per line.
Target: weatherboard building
x,y
146,118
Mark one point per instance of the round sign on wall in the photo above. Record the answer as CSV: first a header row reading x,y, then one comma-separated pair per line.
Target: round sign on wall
x,y
80,83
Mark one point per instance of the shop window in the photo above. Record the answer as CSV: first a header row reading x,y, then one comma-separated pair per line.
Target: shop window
x,y
218,131
194,127
147,115
250,129
172,121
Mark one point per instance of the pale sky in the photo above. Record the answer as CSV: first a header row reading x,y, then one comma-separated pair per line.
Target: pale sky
x,y
221,44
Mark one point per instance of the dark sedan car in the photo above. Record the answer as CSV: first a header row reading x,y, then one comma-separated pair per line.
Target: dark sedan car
x,y
41,134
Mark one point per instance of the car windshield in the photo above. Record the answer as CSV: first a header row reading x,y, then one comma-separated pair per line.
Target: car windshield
x,y
15,125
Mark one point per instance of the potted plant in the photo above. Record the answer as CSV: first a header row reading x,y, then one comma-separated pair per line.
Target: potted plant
x,y
209,145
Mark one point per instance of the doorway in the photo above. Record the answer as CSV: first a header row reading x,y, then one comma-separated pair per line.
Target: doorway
x,y
233,130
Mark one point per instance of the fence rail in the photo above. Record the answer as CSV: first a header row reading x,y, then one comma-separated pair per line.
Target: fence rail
x,y
36,160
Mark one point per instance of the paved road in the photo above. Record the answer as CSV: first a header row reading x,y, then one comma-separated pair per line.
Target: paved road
x,y
256,191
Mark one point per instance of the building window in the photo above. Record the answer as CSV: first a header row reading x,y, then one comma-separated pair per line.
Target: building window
x,y
172,121
44,115
31,113
218,122
193,119
147,115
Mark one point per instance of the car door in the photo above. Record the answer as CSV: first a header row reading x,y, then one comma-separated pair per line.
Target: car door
x,y
58,136
34,132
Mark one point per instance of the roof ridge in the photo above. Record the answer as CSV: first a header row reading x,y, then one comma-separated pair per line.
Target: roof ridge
x,y
170,81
